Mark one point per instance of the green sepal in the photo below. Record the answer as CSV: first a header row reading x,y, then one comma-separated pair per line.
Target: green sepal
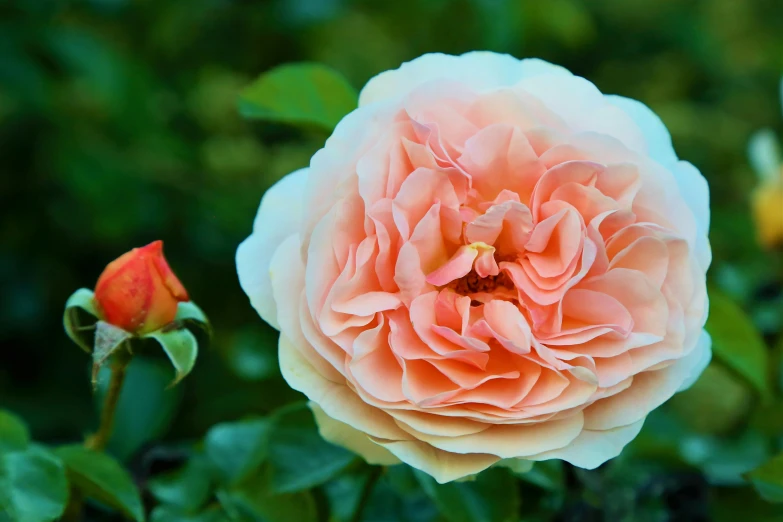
x,y
108,340
77,326
180,346
190,316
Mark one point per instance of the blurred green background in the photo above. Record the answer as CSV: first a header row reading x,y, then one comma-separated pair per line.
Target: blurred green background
x,y
118,126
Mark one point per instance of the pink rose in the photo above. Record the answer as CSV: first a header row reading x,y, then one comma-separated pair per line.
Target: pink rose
x,y
488,260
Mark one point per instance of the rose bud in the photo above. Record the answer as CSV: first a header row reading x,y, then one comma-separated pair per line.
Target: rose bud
x,y
138,292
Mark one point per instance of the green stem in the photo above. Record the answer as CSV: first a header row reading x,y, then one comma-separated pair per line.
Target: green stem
x,y
73,511
100,438
375,474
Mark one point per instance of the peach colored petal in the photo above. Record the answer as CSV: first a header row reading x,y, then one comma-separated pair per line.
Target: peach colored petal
x,y
511,441
458,266
506,225
337,400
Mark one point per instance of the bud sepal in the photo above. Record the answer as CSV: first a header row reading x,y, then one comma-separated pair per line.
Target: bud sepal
x,y
80,318
179,339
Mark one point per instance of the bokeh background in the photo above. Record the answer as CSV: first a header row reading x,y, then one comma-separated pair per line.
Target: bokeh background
x,y
118,126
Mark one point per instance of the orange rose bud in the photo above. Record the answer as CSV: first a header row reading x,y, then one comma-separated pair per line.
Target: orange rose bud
x,y
138,292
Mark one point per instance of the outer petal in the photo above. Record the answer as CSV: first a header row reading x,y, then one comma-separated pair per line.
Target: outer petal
x,y
480,70
278,217
441,465
659,141
336,399
703,355
512,440
592,448
648,391
691,183
696,193
344,435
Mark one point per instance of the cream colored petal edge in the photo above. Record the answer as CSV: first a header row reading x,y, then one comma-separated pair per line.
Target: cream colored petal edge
x,y
335,398
512,441
702,355
440,465
352,439
480,70
659,141
592,448
692,184
279,216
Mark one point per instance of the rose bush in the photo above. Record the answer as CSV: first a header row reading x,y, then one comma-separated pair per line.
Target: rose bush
x,y
489,259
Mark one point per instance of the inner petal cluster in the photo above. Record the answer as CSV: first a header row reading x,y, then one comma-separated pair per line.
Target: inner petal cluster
x,y
477,260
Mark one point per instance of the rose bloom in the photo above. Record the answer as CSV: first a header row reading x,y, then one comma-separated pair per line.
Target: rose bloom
x,y
488,260
138,291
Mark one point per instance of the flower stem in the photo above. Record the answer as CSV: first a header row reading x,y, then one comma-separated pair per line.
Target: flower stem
x,y
375,474
100,438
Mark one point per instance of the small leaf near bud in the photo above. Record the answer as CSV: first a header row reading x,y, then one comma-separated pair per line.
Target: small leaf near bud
x,y
78,318
193,318
108,339
181,347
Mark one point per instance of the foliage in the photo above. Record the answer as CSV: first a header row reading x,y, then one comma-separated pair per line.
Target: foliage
x,y
120,125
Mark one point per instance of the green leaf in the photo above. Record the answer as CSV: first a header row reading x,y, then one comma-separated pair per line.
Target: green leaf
x,y
13,433
764,154
742,504
737,343
398,496
100,477
547,475
299,93
299,458
492,497
145,408
187,488
253,501
724,460
173,514
78,318
108,339
344,494
716,403
768,479
237,449
33,486
181,347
